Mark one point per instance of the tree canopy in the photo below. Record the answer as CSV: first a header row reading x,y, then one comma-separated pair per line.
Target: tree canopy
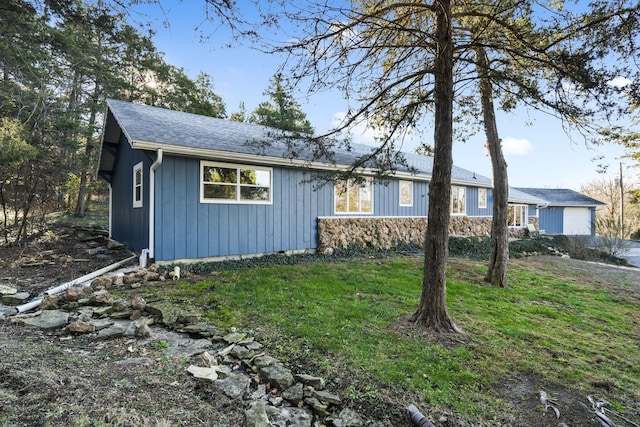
x,y
282,111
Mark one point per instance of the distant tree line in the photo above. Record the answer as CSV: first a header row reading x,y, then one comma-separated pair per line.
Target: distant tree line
x,y
60,60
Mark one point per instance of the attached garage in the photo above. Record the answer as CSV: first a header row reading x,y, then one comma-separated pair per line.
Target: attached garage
x,y
577,221
565,211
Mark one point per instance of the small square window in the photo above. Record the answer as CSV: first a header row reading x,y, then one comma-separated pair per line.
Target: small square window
x,y
354,197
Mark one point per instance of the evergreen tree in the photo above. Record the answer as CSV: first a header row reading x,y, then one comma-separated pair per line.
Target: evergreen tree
x,y
282,112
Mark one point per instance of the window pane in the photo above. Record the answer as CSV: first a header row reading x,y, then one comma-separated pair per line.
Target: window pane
x,y
255,177
138,176
218,174
482,198
406,193
254,193
353,198
340,195
138,196
365,198
461,200
227,192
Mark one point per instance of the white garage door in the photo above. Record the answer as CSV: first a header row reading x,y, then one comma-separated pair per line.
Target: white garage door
x,y
577,221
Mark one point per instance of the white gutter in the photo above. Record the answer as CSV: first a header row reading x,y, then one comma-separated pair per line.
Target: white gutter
x,y
205,153
110,210
152,204
63,287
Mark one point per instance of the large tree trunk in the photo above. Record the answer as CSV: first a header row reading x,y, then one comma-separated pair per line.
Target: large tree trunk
x,y
499,251
432,311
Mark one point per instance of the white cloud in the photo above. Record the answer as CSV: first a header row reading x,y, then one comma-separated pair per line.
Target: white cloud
x,y
619,82
516,147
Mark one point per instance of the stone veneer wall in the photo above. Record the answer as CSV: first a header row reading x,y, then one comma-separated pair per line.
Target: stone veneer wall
x,y
389,232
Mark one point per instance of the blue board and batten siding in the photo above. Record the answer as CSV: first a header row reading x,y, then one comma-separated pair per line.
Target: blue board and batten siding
x,y
130,225
188,229
551,219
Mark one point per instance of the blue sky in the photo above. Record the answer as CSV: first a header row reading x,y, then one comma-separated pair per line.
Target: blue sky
x,y
538,152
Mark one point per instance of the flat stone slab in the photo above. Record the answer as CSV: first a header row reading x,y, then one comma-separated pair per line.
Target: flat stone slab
x,y
48,319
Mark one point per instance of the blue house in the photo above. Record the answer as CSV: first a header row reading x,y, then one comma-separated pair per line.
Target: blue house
x,y
189,187
564,211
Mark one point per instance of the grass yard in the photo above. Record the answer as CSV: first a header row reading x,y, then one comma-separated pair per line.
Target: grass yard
x,y
561,325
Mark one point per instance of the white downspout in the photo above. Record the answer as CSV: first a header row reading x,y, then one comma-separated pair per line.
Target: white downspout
x,y
152,204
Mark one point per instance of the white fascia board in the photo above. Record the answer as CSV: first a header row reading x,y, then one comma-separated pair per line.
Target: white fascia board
x,y
204,153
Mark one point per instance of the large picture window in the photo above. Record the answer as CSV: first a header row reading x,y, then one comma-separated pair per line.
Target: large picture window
x,y
137,185
518,215
406,193
458,200
228,183
354,197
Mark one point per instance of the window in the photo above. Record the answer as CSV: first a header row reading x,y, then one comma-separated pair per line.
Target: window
x,y
406,193
518,215
137,185
352,197
482,198
227,183
457,200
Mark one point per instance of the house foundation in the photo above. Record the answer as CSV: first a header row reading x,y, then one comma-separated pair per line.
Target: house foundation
x,y
383,233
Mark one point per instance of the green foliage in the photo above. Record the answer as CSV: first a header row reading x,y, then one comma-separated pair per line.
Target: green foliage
x,y
635,235
282,112
13,148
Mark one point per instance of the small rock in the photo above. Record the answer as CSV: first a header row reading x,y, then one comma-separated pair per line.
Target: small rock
x,y
74,293
135,315
241,352
234,386
234,337
286,416
18,298
278,375
315,382
101,297
80,327
319,407
256,415
323,396
102,282
119,305
152,277
203,373
112,244
49,302
7,290
293,394
205,360
141,330
138,303
135,361
48,319
348,418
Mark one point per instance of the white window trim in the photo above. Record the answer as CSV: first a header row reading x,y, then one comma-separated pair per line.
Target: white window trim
x,y
410,204
526,214
369,182
464,190
237,200
136,168
482,205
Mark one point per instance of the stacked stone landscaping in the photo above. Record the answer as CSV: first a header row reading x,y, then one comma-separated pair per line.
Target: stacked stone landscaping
x,y
385,233
233,361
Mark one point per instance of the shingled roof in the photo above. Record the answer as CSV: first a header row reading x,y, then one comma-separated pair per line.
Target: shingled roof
x,y
152,128
561,197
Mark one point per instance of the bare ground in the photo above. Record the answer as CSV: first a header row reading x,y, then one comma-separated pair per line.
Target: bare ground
x,y
50,378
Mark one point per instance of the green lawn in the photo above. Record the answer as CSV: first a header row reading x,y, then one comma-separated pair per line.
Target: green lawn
x,y
349,319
